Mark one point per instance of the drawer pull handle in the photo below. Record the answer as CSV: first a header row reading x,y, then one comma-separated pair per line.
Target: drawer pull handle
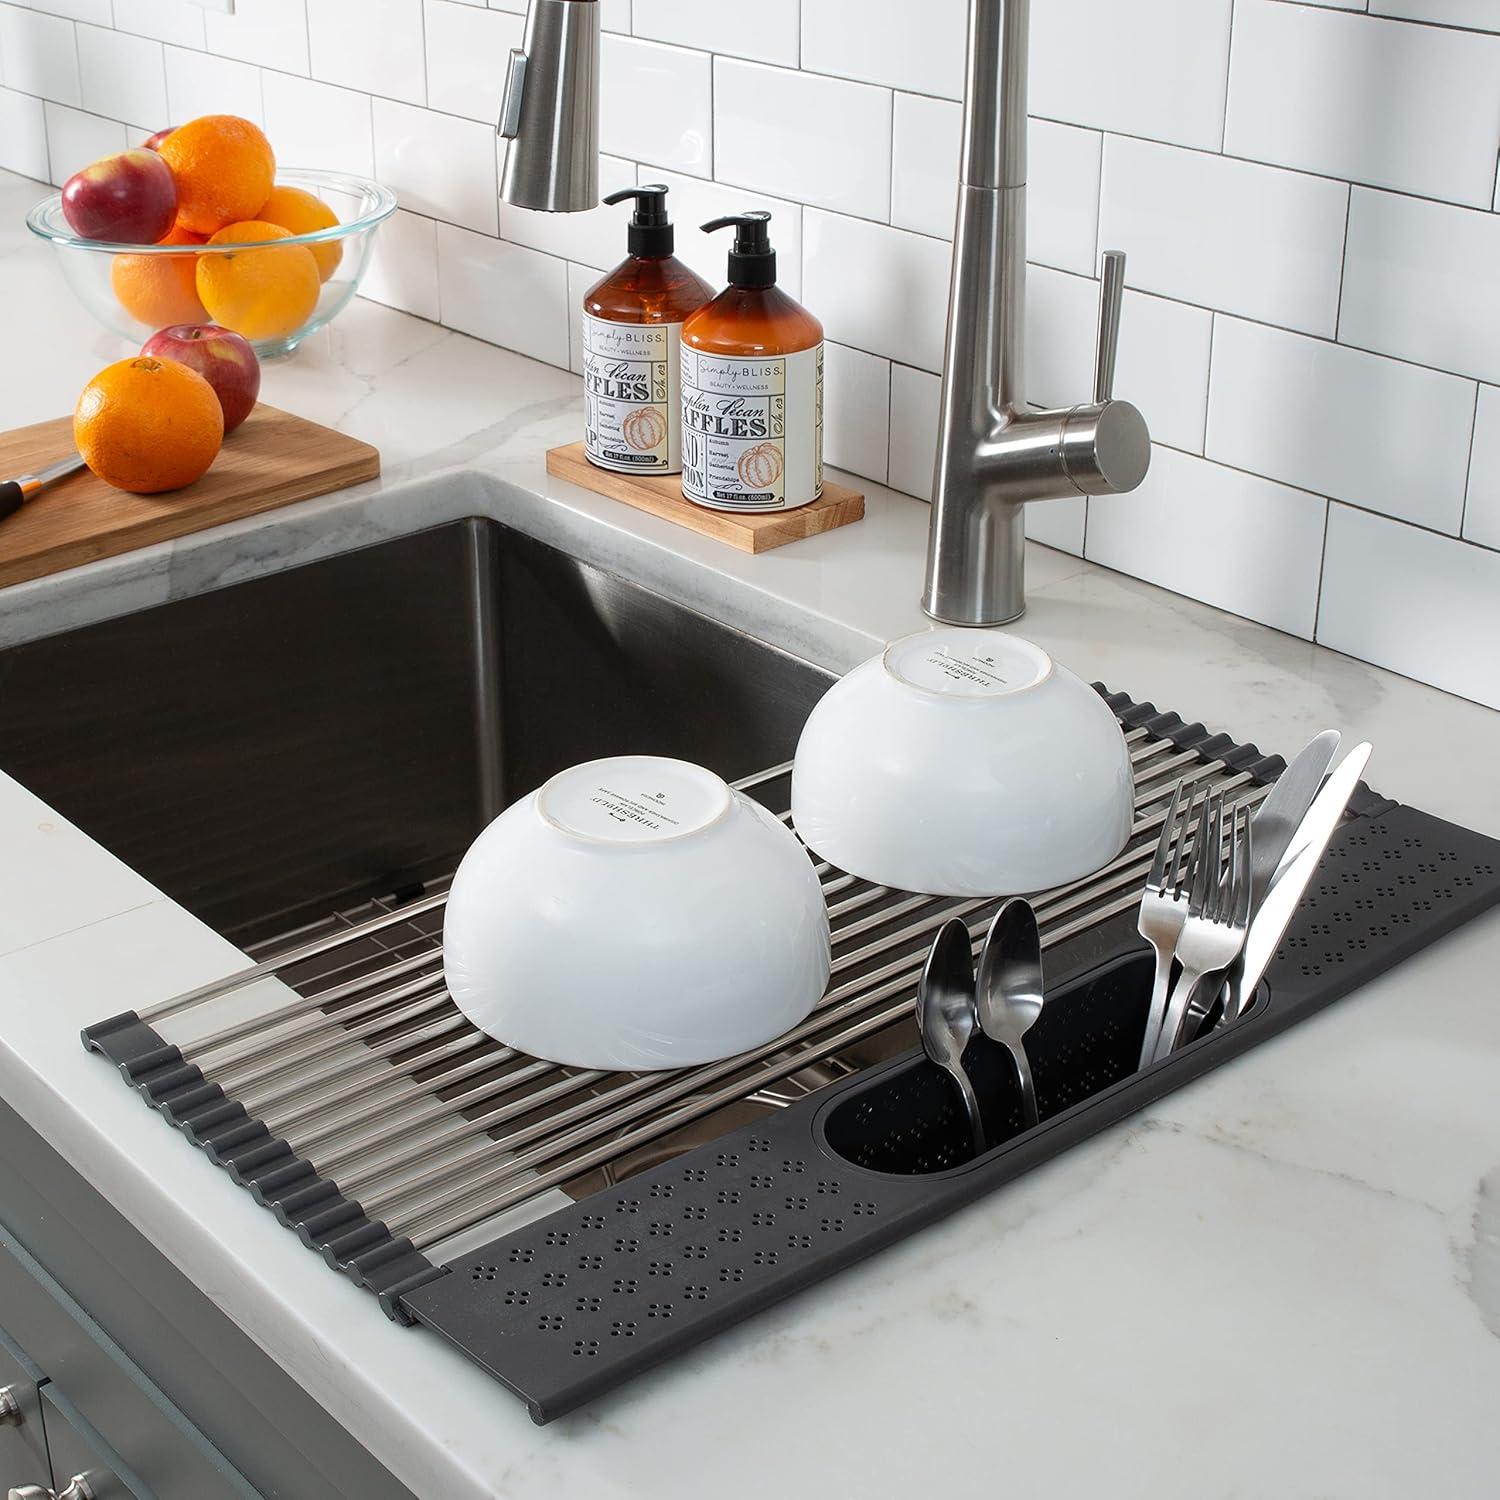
x,y
77,1488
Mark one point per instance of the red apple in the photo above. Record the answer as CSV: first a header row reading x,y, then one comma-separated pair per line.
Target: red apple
x,y
224,359
153,142
127,199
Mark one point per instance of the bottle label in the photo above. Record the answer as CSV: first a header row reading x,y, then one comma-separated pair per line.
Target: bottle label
x,y
631,373
752,430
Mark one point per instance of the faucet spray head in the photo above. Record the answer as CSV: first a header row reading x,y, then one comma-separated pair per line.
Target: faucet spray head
x,y
550,116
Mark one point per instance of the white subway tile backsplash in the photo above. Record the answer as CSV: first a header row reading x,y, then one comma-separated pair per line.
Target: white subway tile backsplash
x,y
1153,68
1234,540
820,140
914,417
656,105
882,290
97,11
596,238
531,317
198,83
580,279
23,135
403,266
1478,15
74,139
1059,523
924,163
438,165
1163,367
1482,514
768,33
1062,196
38,55
167,20
856,410
375,45
270,32
315,124
466,52
1423,605
1319,89
1420,283
1061,318
122,76
693,201
1380,434
919,47
1226,234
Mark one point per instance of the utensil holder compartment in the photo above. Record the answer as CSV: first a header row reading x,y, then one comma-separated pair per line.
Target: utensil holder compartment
x,y
908,1121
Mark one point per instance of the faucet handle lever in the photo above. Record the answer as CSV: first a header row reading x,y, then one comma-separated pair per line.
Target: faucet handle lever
x,y
1111,298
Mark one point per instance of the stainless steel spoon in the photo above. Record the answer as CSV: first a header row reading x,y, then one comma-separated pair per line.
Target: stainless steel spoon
x,y
1009,994
945,1014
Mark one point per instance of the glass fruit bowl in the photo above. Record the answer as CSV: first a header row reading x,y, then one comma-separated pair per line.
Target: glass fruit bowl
x,y
262,290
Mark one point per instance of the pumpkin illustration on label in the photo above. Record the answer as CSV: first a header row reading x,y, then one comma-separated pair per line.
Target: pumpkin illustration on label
x,y
645,429
761,466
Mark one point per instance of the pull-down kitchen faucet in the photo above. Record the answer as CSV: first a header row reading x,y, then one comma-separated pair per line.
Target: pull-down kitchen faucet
x,y
994,452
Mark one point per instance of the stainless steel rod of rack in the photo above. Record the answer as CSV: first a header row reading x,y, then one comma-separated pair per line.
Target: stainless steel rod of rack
x,y
413,1048
897,977
1128,868
366,1105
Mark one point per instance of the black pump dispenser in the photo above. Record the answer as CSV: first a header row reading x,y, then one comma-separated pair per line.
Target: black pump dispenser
x,y
651,235
752,262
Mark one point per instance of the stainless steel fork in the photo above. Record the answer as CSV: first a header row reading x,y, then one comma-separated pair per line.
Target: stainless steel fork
x,y
1164,909
1218,913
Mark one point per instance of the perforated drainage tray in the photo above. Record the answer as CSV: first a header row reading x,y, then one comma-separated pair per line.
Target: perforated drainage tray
x,y
667,1250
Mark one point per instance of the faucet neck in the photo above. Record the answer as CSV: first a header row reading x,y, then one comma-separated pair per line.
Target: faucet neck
x,y
994,150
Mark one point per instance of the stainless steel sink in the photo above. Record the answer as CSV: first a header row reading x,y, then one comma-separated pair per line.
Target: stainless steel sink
x,y
279,750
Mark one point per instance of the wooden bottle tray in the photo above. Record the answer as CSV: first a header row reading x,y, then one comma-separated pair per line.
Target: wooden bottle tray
x,y
661,495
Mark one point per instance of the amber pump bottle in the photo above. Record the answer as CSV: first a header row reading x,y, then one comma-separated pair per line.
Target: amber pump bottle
x,y
752,386
632,337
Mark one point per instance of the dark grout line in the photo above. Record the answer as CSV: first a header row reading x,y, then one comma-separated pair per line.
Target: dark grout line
x,y
1338,306
1322,567
1463,514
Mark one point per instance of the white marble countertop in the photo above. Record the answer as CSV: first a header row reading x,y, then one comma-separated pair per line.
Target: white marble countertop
x,y
1283,1280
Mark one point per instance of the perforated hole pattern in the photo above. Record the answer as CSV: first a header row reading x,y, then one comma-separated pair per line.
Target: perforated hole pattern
x,y
576,1303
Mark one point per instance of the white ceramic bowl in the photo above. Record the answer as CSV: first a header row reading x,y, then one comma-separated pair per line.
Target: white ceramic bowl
x,y
636,913
963,763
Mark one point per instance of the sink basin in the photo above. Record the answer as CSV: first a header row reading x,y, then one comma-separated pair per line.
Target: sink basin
x,y
285,748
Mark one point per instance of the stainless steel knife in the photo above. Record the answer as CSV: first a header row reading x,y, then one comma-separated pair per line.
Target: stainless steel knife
x,y
1308,845
1277,818
1274,824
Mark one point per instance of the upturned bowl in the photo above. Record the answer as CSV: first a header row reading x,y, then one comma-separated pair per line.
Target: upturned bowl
x,y
963,763
636,913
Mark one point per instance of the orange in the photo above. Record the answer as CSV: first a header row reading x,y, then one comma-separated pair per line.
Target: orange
x,y
147,425
160,290
224,169
303,213
263,294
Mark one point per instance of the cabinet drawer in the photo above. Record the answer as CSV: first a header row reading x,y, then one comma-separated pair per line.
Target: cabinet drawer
x,y
23,1450
78,1453
90,1374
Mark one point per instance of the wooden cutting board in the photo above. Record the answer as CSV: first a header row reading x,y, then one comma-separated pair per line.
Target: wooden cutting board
x,y
273,459
662,496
